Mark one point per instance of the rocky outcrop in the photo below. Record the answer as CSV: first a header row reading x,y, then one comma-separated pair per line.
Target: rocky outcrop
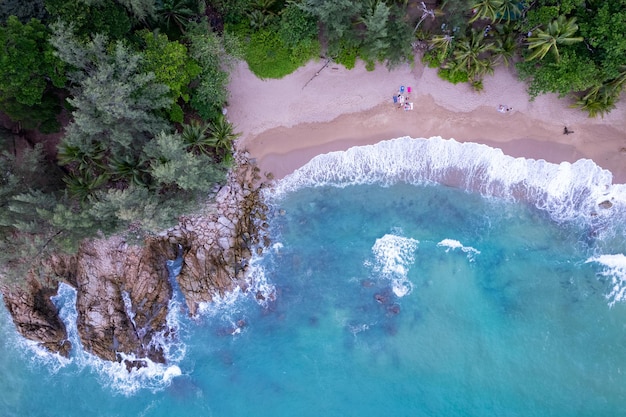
x,y
36,317
122,300
218,246
123,290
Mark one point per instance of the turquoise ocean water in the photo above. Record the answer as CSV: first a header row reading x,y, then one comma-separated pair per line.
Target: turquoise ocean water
x,y
411,278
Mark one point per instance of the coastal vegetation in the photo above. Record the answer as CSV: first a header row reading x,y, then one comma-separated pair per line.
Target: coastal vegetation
x,y
113,109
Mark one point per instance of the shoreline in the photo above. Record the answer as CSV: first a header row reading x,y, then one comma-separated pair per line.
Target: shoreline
x,y
285,124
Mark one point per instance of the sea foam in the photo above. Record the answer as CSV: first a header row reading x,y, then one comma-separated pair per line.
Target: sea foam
x,y
393,256
566,191
455,244
614,269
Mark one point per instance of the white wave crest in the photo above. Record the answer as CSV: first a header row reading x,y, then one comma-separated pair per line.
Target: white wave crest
x,y
393,256
567,191
455,244
615,269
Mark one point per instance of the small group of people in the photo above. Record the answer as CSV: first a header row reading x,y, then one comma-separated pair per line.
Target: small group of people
x,y
402,99
504,109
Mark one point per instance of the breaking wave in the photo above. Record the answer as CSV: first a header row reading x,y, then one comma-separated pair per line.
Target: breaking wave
x,y
452,244
393,256
566,191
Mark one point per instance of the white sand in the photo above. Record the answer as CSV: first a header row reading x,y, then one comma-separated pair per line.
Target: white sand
x,y
284,123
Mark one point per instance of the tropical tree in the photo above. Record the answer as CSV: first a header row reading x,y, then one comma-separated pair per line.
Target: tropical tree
x,y
222,137
442,43
425,14
175,168
23,10
509,10
337,18
472,55
129,169
504,44
374,18
602,99
28,70
196,137
215,55
558,32
172,66
175,15
596,102
486,9
116,107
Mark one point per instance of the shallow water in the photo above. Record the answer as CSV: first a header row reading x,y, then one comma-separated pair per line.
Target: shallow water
x,y
405,299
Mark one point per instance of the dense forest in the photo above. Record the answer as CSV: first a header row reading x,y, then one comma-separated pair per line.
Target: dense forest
x,y
112,109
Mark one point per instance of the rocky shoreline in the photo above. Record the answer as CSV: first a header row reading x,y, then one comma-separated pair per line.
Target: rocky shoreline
x,y
123,290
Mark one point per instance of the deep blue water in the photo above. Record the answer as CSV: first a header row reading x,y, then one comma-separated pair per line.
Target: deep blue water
x,y
394,295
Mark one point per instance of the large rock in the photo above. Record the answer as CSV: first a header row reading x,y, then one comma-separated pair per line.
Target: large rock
x,y
217,247
123,290
36,317
122,297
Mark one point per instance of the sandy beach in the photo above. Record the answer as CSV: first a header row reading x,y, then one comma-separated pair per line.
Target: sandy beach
x,y
286,122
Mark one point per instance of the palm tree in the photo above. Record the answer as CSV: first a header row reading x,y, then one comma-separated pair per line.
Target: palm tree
x,y
559,32
222,137
601,99
176,13
473,55
196,137
129,169
83,184
598,101
509,10
426,13
504,46
486,9
82,156
442,44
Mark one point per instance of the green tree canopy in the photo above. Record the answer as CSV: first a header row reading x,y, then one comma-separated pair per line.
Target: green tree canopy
x,y
28,65
171,65
89,17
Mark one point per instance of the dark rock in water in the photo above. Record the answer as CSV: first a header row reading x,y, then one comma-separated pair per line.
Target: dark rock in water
x,y
393,309
391,329
380,298
135,364
606,204
367,283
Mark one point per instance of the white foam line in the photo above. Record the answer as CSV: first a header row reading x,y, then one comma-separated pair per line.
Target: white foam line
x,y
565,190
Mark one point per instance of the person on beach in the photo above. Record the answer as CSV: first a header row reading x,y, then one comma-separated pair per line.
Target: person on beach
x,y
504,109
566,131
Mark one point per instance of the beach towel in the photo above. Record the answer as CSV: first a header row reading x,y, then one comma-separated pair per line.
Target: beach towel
x,y
395,99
